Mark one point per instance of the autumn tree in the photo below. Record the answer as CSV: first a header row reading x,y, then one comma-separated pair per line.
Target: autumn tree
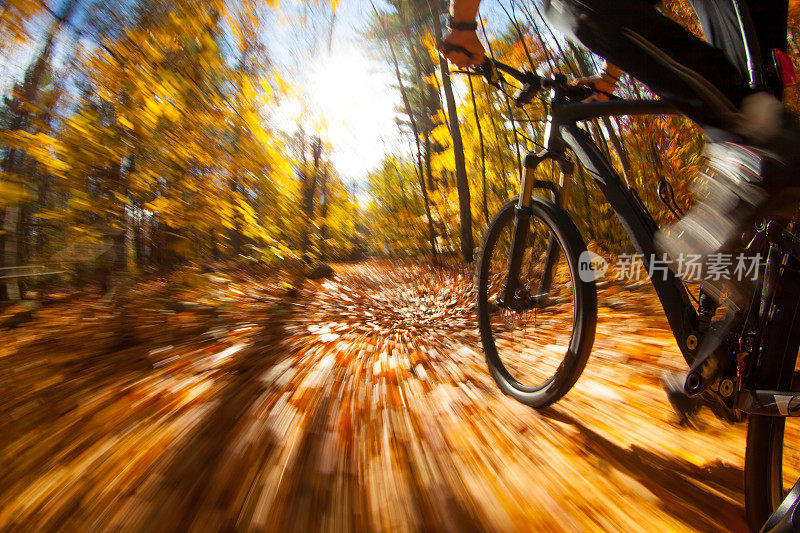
x,y
163,153
27,116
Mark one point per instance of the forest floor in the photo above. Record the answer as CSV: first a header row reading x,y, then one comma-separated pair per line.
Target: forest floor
x,y
361,402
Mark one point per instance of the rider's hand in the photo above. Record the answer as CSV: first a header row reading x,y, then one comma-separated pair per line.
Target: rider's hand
x,y
601,84
467,40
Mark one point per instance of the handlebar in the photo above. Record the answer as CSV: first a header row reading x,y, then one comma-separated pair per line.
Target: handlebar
x,y
532,83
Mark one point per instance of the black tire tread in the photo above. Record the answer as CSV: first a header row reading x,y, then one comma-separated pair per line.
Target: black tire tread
x,y
585,294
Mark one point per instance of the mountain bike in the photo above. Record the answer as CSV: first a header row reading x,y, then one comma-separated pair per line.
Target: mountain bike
x,y
537,296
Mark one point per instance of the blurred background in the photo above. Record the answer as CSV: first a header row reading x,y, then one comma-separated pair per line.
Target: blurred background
x,y
236,261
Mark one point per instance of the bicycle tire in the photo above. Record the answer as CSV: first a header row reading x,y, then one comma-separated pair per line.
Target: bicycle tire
x,y
763,468
557,221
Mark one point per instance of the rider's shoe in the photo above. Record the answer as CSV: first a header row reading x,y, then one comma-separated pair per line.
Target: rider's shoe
x,y
730,197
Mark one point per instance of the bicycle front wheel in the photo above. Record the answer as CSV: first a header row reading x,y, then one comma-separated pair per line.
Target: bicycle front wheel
x,y
537,345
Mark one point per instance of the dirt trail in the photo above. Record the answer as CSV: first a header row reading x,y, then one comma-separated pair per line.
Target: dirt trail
x,y
365,404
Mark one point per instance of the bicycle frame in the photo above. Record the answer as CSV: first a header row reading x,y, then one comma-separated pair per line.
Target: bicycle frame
x,y
562,131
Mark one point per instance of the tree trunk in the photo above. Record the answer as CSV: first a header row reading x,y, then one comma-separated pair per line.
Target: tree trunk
x,y
118,235
587,205
10,227
462,184
235,234
323,215
214,246
138,237
426,139
309,191
483,151
415,132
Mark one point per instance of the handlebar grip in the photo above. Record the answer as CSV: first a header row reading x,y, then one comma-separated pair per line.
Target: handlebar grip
x,y
578,93
446,48
526,94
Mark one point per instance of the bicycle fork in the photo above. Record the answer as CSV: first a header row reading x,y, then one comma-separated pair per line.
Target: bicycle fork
x,y
508,294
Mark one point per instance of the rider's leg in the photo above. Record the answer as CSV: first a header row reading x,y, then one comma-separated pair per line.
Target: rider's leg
x,y
719,20
695,76
750,165
770,20
709,88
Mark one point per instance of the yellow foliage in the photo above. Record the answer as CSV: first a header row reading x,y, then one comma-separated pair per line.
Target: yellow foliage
x,y
171,130
441,135
13,190
125,122
430,47
160,205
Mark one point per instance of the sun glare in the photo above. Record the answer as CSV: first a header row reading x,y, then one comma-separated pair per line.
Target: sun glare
x,y
354,103
337,85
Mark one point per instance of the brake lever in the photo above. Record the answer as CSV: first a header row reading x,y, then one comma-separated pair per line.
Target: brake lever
x,y
446,48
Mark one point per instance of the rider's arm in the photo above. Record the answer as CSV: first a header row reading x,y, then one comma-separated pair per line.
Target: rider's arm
x,y
464,11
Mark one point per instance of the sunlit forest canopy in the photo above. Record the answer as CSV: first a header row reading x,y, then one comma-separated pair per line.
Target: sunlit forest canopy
x,y
147,133
469,144
143,134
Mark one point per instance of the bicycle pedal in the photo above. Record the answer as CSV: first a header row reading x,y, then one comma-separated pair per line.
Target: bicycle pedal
x,y
712,357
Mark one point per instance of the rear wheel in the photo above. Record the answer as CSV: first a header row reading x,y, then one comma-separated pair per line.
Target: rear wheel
x,y
772,459
537,345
